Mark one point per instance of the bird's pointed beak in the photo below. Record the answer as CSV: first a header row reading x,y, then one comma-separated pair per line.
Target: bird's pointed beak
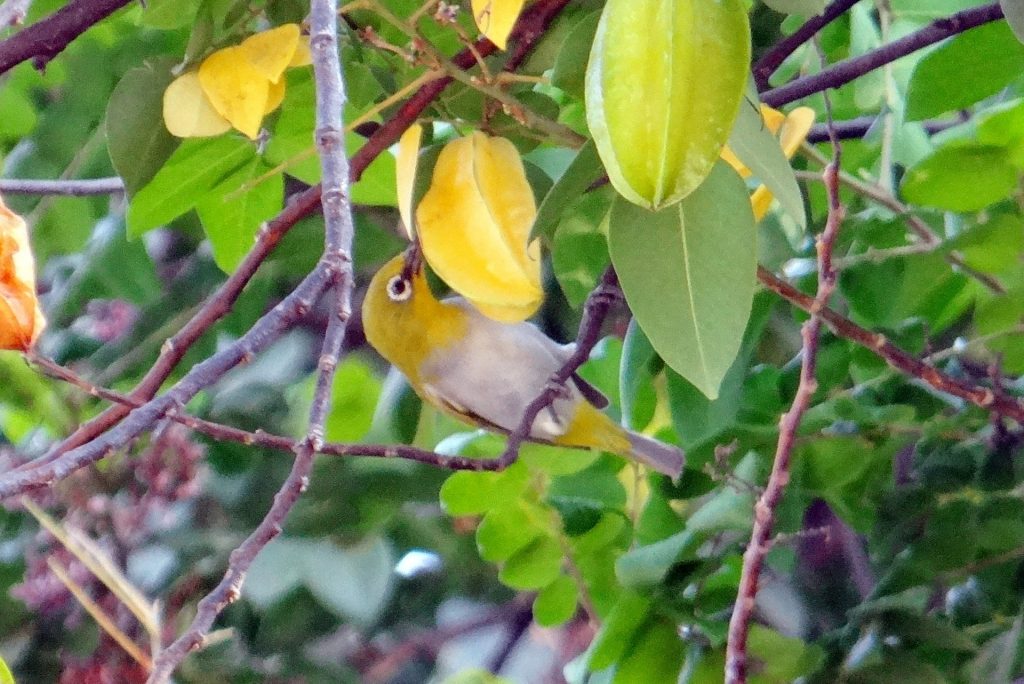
x,y
413,261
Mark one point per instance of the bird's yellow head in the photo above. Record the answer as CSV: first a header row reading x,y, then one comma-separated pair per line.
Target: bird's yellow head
x,y
401,317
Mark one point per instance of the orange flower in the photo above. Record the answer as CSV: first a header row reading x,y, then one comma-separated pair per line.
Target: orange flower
x,y
21,320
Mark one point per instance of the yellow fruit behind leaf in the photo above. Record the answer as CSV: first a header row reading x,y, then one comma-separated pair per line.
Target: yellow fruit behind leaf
x,y
473,224
405,173
791,130
495,18
271,52
21,319
275,96
236,89
303,56
188,113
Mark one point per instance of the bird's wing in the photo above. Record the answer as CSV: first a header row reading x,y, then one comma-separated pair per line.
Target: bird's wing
x,y
492,375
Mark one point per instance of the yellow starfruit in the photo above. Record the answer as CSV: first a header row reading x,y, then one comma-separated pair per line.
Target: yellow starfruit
x,y
270,52
495,18
792,130
405,173
474,224
237,90
21,319
235,86
663,86
188,113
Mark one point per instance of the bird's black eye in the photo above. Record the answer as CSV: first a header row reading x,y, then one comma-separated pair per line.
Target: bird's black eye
x,y
399,289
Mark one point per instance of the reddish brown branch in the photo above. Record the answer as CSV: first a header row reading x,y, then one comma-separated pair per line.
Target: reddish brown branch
x,y
773,58
44,40
768,503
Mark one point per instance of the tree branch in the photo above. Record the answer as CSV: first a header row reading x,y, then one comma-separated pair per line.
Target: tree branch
x,y
65,188
845,71
768,503
337,261
773,58
859,127
44,40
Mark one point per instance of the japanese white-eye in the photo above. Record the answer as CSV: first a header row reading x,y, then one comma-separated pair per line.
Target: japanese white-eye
x,y
485,372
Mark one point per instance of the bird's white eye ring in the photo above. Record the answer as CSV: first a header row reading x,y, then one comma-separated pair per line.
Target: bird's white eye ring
x,y
399,289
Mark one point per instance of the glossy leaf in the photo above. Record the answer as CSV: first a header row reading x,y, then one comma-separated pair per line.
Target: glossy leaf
x,y
581,173
806,8
187,178
990,53
556,603
533,567
961,178
232,218
755,150
688,273
137,140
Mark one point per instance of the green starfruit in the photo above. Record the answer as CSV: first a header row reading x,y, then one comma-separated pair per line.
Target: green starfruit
x,y
663,87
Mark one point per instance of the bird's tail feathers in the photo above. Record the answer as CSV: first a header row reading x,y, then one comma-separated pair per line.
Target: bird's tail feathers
x,y
664,458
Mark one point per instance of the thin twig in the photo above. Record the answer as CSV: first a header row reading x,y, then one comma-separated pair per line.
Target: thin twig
x,y
847,70
265,331
65,188
337,262
854,129
44,40
772,59
768,503
47,469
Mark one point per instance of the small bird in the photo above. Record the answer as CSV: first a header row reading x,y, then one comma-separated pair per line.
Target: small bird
x,y
485,373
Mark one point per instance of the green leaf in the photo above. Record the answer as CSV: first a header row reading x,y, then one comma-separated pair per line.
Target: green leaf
x,y
656,655
507,529
760,151
688,273
535,566
804,7
137,140
697,418
232,217
469,493
584,170
353,401
556,603
636,381
580,252
571,63
732,507
647,565
1013,10
990,53
20,116
783,658
617,632
168,14
354,582
964,177
186,179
